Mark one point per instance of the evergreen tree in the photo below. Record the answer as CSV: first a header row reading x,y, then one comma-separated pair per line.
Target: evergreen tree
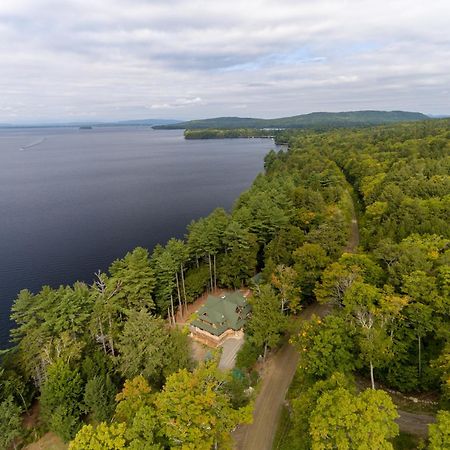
x,y
136,279
147,347
99,395
267,322
10,422
60,400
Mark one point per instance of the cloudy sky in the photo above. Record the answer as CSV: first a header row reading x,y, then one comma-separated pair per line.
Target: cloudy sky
x,y
71,60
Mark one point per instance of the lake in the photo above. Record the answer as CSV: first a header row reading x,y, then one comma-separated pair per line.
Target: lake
x,y
72,201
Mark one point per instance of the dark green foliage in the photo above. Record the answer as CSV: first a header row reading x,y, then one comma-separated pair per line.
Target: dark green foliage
x,y
99,396
227,134
236,389
177,352
13,385
141,346
336,227
391,297
401,175
248,355
169,263
96,364
263,216
267,322
304,403
61,400
281,247
326,346
196,282
148,348
64,422
316,120
405,441
238,265
10,422
50,325
310,260
136,279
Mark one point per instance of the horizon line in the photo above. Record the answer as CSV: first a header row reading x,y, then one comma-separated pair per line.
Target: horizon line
x,y
138,121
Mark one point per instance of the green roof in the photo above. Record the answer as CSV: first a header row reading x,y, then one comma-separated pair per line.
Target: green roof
x,y
257,279
219,314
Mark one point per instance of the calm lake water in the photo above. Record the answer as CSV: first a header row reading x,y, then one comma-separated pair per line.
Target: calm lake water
x,y
71,201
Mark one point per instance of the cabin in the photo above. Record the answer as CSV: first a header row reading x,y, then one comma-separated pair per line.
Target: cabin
x,y
220,318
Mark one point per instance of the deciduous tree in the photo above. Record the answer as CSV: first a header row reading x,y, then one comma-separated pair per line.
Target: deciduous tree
x,y
310,260
344,421
439,432
195,413
101,437
136,393
283,279
326,346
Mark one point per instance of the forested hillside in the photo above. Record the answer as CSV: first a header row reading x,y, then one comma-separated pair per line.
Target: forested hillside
x,y
103,353
315,120
213,133
391,315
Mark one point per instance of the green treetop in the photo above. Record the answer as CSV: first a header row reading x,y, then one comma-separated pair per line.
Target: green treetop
x,y
344,421
195,413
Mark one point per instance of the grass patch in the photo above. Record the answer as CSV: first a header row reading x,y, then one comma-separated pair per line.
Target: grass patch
x,y
405,441
48,441
280,441
404,403
426,403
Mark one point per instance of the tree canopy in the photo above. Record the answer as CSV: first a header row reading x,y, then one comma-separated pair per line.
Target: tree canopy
x,y
76,346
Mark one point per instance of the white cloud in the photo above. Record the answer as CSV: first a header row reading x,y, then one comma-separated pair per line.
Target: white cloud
x,y
197,58
179,103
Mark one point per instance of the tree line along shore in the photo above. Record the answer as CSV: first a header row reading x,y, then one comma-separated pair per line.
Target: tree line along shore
x,y
110,370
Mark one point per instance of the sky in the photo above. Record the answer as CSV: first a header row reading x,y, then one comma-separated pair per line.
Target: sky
x,y
82,60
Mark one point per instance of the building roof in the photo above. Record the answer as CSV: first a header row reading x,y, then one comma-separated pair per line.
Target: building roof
x,y
219,314
257,279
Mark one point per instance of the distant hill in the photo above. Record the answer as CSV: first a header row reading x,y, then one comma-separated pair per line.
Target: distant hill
x,y
312,120
147,122
136,122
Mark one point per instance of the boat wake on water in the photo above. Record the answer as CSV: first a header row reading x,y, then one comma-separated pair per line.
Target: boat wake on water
x,y
33,144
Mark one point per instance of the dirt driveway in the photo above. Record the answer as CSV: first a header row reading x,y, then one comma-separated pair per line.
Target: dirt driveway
x,y
277,377
414,423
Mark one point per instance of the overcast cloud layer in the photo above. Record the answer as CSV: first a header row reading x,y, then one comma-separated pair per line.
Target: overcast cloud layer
x,y
71,60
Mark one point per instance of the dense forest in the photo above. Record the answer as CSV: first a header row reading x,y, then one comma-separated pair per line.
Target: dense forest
x,y
214,133
110,370
391,299
315,120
